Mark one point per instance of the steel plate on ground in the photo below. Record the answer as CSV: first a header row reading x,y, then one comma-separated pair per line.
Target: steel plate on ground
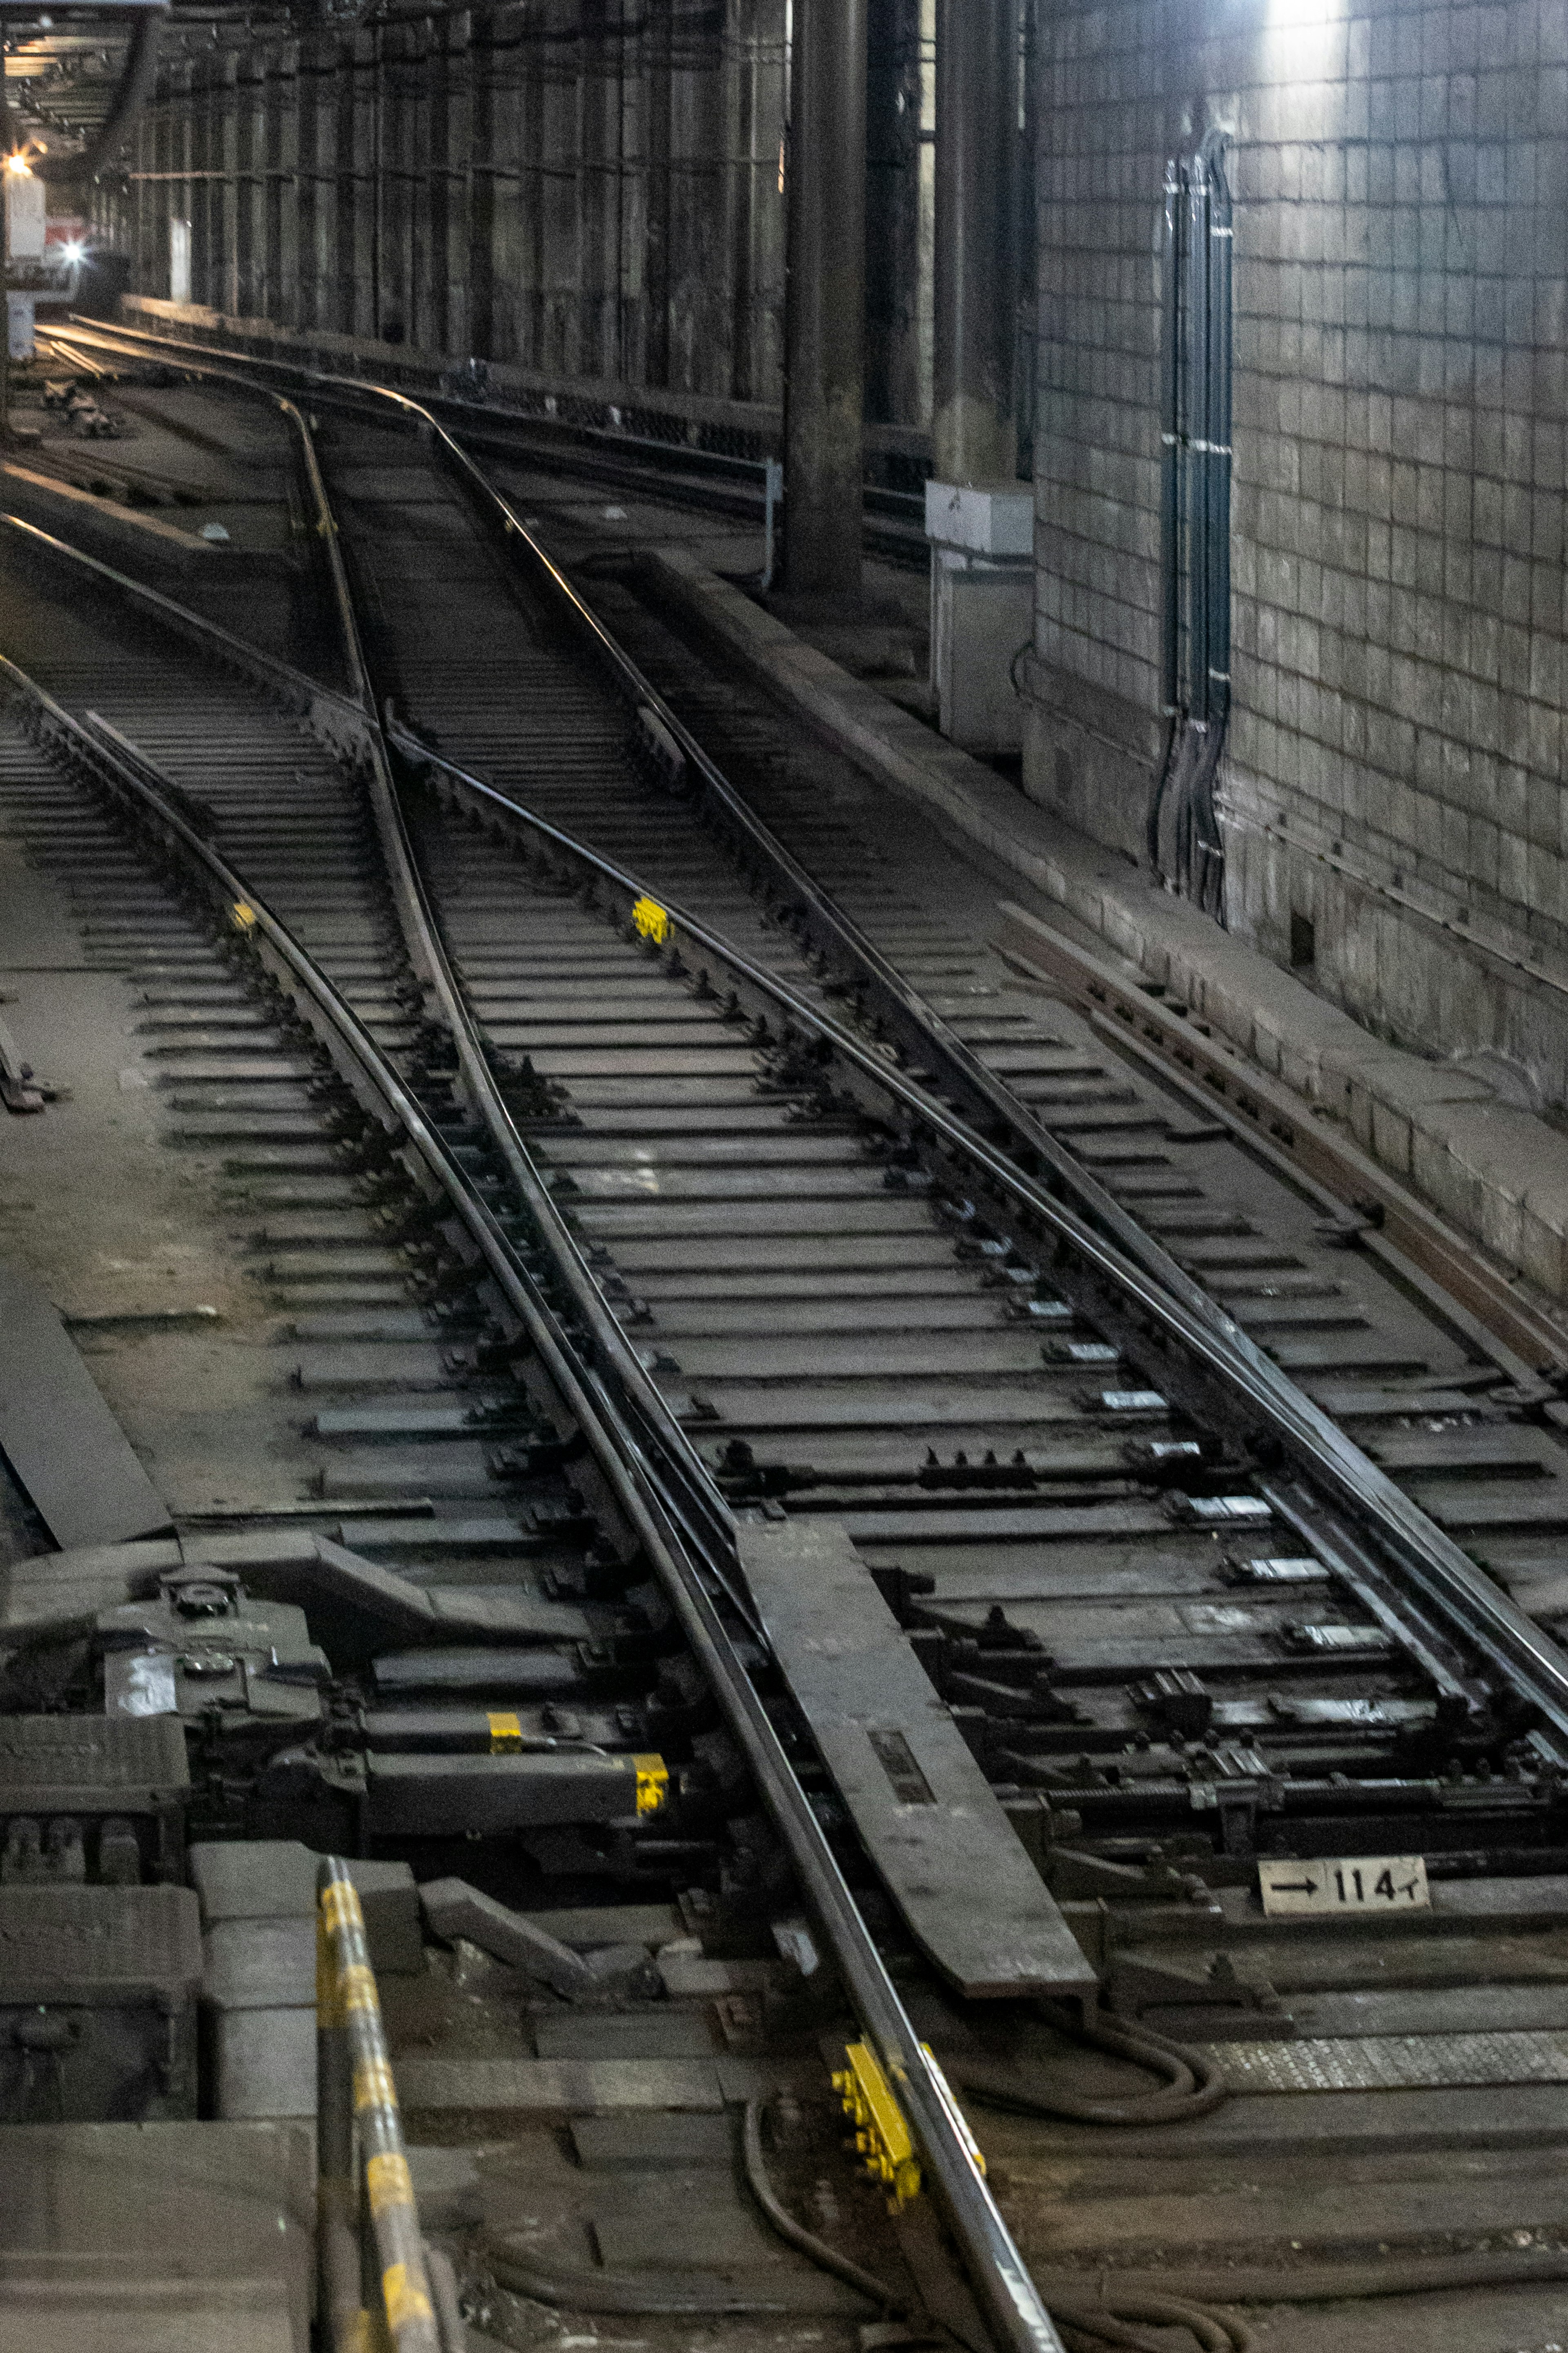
x,y
927,1814
64,1445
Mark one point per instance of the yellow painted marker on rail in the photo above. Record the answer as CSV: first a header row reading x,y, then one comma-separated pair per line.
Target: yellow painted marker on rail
x,y
652,921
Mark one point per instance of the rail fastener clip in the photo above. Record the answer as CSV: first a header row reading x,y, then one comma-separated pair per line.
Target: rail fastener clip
x,y
652,921
881,2135
653,1783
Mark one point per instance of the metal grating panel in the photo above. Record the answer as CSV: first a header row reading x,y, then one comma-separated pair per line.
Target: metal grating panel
x,y
99,1943
1394,2063
114,1757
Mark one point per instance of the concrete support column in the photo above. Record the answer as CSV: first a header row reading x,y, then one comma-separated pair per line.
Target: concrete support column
x,y
974,432
826,299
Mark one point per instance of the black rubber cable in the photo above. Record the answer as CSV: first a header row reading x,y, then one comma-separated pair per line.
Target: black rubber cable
x,y
1097,2323
828,2258
694,2295
1325,2283
1214,2331
444,2296
1193,2084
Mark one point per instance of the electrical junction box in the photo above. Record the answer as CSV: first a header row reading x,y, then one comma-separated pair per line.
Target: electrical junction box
x,y
982,538
97,2004
91,1797
203,1650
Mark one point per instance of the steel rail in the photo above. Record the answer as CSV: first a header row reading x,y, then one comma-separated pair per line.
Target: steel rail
x,y
1440,1567
1437,1566
1100,1229
691,1491
713,481
997,2270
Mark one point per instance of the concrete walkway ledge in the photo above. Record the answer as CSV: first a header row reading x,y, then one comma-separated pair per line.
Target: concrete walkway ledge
x,y
1498,1173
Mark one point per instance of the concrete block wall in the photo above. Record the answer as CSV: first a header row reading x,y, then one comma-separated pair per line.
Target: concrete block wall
x,y
1396,762
586,188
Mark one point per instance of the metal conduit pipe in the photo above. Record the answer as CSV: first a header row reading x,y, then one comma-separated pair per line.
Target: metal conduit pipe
x,y
1215,263
1170,504
1195,405
1194,538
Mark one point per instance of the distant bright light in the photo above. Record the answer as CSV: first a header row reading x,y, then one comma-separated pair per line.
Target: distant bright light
x,y
20,166
75,252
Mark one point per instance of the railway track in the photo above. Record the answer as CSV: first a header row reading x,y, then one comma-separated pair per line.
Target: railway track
x,y
876,1309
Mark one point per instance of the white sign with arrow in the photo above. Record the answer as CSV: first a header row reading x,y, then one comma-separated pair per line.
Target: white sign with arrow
x,y
1362,1882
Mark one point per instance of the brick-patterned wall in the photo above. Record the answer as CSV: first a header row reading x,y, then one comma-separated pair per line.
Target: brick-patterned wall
x,y
1401,303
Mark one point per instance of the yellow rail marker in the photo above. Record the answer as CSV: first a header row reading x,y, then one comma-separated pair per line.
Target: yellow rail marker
x,y
242,917
340,1907
356,1990
881,2136
388,2182
960,2121
652,921
506,1731
373,2085
653,1783
329,2009
406,2300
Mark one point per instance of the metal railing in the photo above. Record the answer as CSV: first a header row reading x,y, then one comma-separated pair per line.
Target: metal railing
x,y
380,2286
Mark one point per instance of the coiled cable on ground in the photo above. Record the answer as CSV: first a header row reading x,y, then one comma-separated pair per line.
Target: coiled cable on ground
x,y
1094,2325
1089,2326
695,2295
1193,2084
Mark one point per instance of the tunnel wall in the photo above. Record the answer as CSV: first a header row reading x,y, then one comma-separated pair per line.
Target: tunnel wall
x,y
590,188
1394,768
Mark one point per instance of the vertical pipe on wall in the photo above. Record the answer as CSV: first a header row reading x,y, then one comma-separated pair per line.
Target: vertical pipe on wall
x,y
1214,263
974,428
1195,521
826,299
1170,497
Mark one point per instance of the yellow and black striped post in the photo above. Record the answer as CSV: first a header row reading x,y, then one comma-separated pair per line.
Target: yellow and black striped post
x,y
363,2167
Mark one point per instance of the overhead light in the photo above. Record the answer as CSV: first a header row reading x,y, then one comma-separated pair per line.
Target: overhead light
x,y
19,164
